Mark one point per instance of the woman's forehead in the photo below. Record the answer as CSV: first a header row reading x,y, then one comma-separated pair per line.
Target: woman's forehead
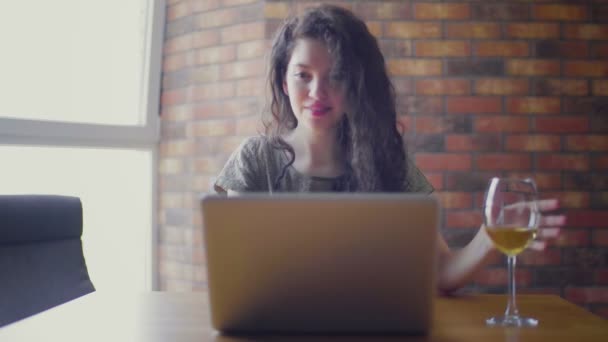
x,y
311,53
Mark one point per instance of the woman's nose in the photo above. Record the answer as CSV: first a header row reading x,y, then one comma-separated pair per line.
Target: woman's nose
x,y
318,89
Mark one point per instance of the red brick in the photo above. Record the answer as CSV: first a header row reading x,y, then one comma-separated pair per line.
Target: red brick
x,y
535,105
549,256
562,124
302,5
375,28
601,277
600,237
177,44
533,143
498,277
177,113
547,86
477,142
415,67
521,67
474,104
431,124
500,11
176,148
173,97
378,10
213,128
499,86
250,125
573,238
443,161
224,108
214,91
276,10
205,38
501,48
219,54
243,32
207,165
586,218
169,166
442,11
249,87
600,162
586,31
584,295
548,181
216,18
243,69
403,86
455,200
444,48
572,162
178,10
395,48
199,6
600,88
413,30
560,12
443,87
420,104
599,50
564,49
503,161
253,49
587,143
512,124
473,30
569,199
463,219
177,61
586,69
532,30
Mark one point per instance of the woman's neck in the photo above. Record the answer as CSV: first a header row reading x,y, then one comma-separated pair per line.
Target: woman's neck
x,y
316,153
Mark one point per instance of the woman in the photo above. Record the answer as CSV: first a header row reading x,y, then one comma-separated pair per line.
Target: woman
x,y
333,127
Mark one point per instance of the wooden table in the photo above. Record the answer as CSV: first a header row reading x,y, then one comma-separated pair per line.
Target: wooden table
x,y
165,316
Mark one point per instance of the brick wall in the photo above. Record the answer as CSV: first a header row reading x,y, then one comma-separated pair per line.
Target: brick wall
x,y
484,89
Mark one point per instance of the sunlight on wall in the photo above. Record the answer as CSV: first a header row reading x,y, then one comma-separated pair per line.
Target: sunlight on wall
x,y
115,187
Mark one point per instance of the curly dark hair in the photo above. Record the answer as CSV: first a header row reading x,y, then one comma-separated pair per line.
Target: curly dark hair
x,y
374,149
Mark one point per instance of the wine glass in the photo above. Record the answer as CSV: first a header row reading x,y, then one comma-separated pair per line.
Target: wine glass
x,y
511,218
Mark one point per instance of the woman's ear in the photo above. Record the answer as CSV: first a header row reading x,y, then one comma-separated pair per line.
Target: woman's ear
x,y
285,89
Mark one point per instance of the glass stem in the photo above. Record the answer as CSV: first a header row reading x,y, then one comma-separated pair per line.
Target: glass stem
x,y
511,306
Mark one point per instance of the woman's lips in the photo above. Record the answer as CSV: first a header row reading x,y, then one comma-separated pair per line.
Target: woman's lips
x,y
319,110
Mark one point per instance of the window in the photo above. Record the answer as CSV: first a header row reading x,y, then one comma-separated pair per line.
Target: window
x,y
79,117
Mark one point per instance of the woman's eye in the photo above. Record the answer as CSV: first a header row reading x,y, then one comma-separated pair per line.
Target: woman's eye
x,y
302,75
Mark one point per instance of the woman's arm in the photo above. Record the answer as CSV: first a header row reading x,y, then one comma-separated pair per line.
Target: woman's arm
x,y
456,268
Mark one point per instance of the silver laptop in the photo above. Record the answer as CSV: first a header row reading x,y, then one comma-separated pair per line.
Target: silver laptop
x,y
321,263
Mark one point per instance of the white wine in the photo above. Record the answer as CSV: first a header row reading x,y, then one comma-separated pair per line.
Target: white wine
x,y
511,240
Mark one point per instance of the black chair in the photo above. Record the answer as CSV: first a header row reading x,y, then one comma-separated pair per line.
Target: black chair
x,y
41,260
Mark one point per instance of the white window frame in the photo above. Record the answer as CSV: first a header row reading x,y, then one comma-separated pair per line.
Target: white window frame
x,y
55,133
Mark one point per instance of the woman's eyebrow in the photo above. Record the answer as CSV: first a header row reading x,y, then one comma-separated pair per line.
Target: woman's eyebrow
x,y
302,65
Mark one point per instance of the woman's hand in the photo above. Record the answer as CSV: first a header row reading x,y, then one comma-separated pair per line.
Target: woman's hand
x,y
550,225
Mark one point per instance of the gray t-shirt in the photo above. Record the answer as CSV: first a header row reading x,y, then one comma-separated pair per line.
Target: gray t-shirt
x,y
256,164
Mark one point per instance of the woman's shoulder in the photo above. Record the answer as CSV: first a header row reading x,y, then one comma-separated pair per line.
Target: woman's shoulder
x,y
257,147
416,181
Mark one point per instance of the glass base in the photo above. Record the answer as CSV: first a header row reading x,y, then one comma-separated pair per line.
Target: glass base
x,y
511,321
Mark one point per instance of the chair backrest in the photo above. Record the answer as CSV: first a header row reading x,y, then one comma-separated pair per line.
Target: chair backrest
x,y
41,259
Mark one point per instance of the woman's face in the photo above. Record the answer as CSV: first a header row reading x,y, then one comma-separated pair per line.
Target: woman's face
x,y
316,100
